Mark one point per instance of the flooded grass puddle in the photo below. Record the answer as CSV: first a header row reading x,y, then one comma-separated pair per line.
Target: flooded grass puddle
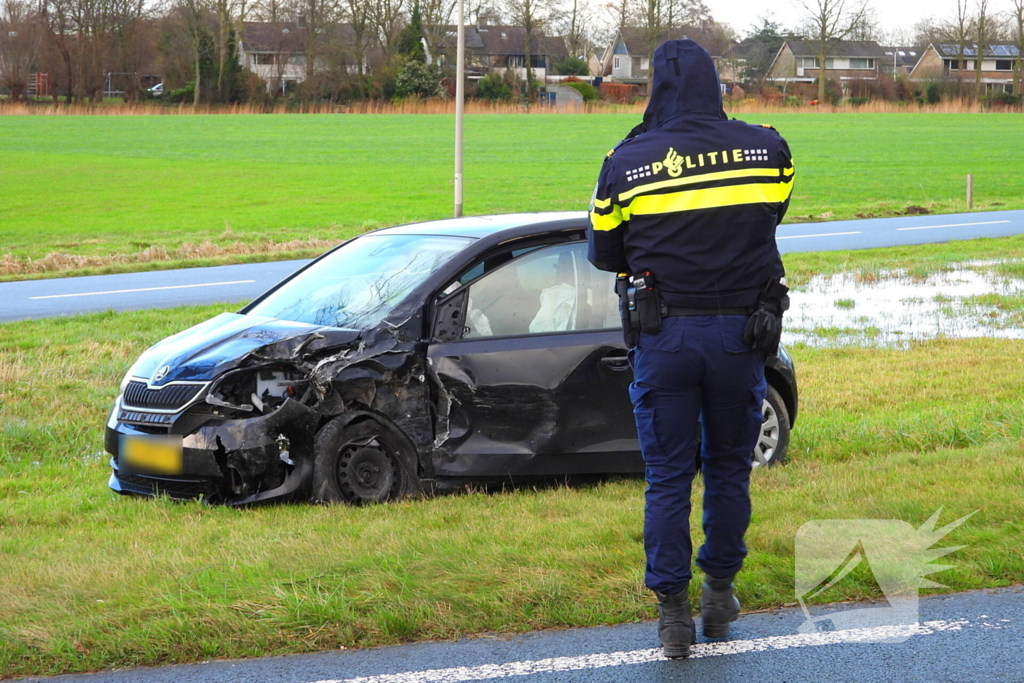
x,y
893,308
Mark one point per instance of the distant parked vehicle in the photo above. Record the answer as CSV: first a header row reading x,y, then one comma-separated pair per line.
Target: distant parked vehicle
x,y
157,90
421,357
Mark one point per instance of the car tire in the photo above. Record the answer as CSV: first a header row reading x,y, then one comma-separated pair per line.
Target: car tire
x,y
359,464
773,439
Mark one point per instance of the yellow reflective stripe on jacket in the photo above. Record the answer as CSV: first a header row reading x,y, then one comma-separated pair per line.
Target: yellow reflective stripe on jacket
x,y
609,221
702,178
602,203
708,198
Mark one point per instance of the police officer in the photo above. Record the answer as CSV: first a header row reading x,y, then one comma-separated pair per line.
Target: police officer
x,y
688,204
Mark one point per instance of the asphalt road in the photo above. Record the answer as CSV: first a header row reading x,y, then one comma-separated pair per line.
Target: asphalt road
x,y
168,288
976,636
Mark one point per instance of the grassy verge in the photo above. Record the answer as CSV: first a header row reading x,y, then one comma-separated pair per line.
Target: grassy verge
x,y
117,188
92,580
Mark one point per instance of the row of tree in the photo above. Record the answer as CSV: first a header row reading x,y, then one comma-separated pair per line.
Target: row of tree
x,y
89,46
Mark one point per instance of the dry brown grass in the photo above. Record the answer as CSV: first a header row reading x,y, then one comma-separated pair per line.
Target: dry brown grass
x,y
748,106
60,262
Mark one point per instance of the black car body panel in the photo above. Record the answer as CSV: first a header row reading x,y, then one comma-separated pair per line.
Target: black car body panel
x,y
247,395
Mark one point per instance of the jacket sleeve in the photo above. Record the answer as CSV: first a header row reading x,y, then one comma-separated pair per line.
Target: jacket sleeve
x,y
607,228
788,174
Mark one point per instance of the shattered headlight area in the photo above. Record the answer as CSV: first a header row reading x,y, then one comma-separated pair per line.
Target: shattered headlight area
x,y
250,435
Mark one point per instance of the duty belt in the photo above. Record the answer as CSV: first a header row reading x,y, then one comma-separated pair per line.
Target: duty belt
x,y
675,312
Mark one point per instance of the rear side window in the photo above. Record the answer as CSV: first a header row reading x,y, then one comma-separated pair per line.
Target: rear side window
x,y
548,290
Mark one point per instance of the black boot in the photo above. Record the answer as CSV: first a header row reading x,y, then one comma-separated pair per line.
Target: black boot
x,y
718,606
675,623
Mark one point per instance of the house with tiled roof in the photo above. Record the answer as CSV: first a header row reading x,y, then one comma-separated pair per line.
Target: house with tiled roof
x,y
501,48
943,61
627,58
276,50
797,61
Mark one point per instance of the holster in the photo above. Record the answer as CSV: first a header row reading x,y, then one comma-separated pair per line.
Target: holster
x,y
640,307
627,310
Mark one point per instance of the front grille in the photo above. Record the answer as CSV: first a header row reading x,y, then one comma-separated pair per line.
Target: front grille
x,y
167,486
134,417
171,397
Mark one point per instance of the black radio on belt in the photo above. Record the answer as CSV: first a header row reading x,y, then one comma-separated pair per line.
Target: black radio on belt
x,y
639,305
648,305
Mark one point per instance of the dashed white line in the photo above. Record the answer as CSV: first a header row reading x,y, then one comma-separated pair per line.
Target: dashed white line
x,y
952,225
143,289
486,672
822,234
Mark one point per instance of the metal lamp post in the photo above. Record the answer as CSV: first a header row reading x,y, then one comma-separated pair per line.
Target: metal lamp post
x,y
460,104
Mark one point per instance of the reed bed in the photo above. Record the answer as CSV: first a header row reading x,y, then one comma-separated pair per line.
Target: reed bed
x,y
413,106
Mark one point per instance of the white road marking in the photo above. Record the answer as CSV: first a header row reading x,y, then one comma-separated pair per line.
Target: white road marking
x,y
823,234
143,289
603,660
952,225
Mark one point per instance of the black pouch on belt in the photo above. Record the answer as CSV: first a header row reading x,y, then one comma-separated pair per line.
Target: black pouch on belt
x,y
648,305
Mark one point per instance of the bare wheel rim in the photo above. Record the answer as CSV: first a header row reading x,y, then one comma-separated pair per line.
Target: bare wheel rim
x,y
366,473
768,439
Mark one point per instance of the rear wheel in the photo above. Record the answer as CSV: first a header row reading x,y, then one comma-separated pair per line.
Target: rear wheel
x,y
773,439
358,464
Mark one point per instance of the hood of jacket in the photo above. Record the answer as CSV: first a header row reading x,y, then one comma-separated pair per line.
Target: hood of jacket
x,y
685,83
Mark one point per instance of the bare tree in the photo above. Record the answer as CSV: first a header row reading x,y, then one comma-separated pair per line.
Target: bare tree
x,y
319,17
1018,37
357,15
385,19
960,29
828,22
437,16
574,23
19,45
57,17
531,15
981,33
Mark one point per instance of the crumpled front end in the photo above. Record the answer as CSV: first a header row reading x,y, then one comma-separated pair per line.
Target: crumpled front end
x,y
211,444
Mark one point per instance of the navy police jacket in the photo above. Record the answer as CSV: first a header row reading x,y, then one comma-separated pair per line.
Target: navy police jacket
x,y
691,196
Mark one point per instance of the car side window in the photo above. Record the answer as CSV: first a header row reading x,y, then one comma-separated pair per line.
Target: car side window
x,y
547,290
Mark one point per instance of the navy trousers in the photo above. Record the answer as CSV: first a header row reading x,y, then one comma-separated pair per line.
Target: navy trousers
x,y
696,373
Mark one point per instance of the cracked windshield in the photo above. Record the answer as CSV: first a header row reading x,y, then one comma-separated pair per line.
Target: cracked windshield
x,y
361,282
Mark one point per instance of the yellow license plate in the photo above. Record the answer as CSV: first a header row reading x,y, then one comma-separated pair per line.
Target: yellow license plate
x,y
154,454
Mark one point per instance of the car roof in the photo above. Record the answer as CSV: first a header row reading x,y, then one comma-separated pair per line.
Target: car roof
x,y
479,227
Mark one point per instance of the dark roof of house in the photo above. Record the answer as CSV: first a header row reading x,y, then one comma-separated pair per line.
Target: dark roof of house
x,y
287,36
971,50
505,40
636,39
844,48
905,56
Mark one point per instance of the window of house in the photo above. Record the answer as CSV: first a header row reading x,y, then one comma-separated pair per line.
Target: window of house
x,y
861,63
812,63
616,62
1004,65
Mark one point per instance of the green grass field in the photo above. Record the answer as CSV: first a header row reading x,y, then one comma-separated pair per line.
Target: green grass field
x,y
92,580
104,185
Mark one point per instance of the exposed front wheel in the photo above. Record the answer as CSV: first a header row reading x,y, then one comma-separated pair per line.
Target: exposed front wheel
x,y
359,464
773,439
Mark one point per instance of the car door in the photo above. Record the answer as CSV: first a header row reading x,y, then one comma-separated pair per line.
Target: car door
x,y
532,365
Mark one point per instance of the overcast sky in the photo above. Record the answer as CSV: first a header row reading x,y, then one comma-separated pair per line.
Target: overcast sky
x,y
891,14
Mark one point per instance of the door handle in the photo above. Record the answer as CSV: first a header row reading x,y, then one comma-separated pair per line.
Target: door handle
x,y
615,362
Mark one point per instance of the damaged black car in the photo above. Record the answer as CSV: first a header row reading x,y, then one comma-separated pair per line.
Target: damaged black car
x,y
413,359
